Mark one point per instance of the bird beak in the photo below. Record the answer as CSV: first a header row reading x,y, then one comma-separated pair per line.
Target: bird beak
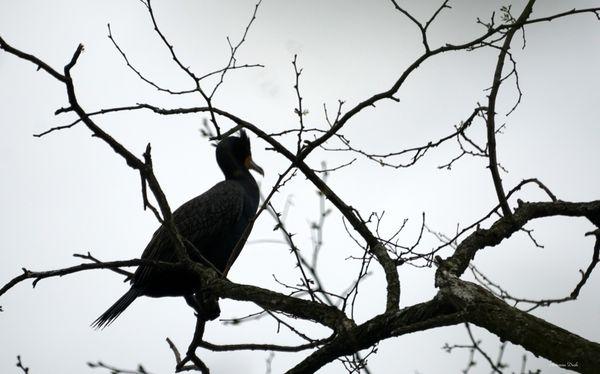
x,y
252,166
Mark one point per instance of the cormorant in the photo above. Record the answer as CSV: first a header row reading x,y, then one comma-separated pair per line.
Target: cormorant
x,y
212,223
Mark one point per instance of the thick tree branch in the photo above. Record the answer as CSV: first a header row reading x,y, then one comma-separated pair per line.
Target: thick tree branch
x,y
418,317
506,226
534,334
305,309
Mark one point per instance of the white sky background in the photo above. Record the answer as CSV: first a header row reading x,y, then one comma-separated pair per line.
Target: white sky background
x,y
69,193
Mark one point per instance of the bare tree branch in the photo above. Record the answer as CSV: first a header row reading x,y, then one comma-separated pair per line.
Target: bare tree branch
x,y
491,108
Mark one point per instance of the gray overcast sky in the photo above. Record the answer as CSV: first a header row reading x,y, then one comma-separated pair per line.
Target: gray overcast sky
x,y
68,193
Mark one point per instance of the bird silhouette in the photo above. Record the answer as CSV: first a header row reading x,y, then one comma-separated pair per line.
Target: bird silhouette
x,y
211,226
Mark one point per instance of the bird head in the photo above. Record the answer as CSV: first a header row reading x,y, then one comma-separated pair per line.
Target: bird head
x,y
234,156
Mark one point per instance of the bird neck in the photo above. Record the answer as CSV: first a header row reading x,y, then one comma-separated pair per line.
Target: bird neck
x,y
237,174
244,177
251,191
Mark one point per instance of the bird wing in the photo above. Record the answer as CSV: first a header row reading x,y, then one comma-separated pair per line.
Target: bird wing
x,y
200,221
238,247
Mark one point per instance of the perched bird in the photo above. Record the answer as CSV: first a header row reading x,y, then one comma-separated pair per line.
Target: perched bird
x,y
211,225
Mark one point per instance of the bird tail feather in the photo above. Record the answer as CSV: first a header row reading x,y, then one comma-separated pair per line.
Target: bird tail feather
x,y
116,309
